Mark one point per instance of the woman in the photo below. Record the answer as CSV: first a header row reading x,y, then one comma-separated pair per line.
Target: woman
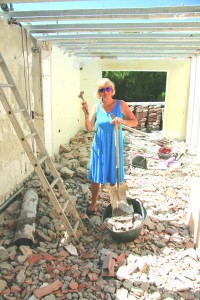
x,y
103,161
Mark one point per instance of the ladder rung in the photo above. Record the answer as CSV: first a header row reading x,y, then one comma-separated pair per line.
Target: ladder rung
x,y
76,226
31,135
6,85
65,205
41,160
19,110
29,120
54,182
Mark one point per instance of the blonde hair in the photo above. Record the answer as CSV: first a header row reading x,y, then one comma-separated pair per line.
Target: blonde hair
x,y
101,83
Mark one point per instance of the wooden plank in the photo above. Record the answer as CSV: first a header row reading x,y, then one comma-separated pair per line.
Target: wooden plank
x,y
115,27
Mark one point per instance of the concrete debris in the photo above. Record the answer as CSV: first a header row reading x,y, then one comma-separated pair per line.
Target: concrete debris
x,y
161,263
123,223
26,222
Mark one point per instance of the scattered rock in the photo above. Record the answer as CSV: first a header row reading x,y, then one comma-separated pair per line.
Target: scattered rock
x,y
160,264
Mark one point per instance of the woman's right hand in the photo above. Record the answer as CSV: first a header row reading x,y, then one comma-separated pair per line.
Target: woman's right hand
x,y
85,108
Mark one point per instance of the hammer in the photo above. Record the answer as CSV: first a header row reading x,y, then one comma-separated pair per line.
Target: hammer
x,y
81,97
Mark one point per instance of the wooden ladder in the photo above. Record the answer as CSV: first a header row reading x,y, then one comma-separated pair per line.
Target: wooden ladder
x,y
68,208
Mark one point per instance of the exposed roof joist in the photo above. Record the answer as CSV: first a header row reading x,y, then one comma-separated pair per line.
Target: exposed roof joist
x,y
165,37
108,14
112,32
115,27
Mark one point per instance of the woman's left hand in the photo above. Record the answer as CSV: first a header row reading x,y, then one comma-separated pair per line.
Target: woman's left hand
x,y
117,121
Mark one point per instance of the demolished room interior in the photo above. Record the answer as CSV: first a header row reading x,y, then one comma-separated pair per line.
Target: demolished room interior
x,y
49,73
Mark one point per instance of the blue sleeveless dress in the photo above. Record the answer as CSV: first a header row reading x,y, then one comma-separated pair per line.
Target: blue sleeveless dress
x,y
103,160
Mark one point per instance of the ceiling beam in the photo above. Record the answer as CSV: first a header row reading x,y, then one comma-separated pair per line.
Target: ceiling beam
x,y
130,55
156,32
187,37
149,44
37,1
116,27
129,50
179,12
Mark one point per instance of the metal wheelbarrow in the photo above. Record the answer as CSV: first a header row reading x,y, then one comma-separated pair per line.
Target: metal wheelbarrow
x,y
127,236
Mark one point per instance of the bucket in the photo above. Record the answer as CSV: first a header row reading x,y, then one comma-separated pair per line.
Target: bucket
x,y
127,236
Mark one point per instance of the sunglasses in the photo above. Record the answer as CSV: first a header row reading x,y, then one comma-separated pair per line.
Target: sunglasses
x,y
108,89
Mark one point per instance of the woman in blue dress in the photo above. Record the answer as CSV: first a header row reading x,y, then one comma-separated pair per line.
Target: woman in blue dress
x,y
102,168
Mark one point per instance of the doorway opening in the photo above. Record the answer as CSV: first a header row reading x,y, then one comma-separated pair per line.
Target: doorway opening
x,y
144,92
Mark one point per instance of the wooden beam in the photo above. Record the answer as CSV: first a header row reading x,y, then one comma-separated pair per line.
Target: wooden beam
x,y
130,46
115,50
173,31
116,27
125,43
178,12
149,55
38,1
187,37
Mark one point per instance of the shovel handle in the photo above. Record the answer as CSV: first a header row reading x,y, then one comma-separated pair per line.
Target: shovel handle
x,y
117,145
116,148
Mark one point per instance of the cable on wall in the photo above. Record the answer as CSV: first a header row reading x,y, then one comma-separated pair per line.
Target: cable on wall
x,y
26,77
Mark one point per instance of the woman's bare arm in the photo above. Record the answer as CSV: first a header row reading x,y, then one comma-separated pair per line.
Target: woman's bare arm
x,y
89,119
129,117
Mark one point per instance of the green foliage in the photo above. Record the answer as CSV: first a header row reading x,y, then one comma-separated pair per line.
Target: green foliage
x,y
138,86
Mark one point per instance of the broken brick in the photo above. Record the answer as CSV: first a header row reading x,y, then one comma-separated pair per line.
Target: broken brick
x,y
73,285
48,257
93,277
85,272
45,290
35,258
121,257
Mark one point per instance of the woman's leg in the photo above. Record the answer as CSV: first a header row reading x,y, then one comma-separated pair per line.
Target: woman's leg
x,y
95,191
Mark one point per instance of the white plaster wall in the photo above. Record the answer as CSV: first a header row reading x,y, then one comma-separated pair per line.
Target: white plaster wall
x,y
177,98
15,166
90,74
64,77
46,95
177,88
65,88
193,125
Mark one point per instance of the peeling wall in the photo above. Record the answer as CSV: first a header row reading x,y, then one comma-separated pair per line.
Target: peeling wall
x,y
64,77
24,66
65,88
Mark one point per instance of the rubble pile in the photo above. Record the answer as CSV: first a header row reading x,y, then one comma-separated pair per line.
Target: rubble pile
x,y
154,121
141,113
150,117
161,263
123,223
